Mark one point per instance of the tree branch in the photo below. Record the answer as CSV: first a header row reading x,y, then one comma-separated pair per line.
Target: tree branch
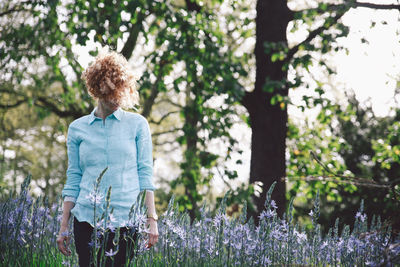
x,y
352,4
223,179
164,143
149,102
15,9
343,179
19,102
163,117
312,35
173,149
44,102
133,35
165,132
375,6
54,108
169,101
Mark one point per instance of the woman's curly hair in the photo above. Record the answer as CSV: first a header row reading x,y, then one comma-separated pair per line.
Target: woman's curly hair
x,y
110,77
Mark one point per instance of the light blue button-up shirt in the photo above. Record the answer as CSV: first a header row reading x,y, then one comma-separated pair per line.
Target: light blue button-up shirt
x,y
122,142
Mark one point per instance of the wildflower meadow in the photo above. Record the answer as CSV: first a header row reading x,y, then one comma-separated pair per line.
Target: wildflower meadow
x,y
29,228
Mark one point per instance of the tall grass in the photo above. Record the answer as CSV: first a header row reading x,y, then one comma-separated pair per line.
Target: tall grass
x,y
28,230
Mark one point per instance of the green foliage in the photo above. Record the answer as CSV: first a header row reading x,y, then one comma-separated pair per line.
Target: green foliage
x,y
29,228
209,74
34,144
195,39
347,155
388,149
39,60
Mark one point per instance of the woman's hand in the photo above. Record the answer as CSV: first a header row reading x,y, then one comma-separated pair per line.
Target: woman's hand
x,y
63,240
63,237
153,232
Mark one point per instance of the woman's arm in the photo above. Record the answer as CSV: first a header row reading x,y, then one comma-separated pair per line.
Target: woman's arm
x,y
145,173
74,171
64,237
151,210
144,148
71,189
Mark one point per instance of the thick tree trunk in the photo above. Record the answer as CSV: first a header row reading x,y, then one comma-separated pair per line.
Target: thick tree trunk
x,y
268,122
191,172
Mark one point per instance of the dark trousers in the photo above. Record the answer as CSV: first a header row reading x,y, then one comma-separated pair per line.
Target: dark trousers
x,y
83,242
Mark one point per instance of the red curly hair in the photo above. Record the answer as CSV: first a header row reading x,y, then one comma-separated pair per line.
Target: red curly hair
x,y
110,78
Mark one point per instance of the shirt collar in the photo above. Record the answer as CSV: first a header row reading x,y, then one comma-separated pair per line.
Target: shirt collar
x,y
116,114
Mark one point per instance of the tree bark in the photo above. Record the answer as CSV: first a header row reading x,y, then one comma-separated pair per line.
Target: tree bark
x,y
268,122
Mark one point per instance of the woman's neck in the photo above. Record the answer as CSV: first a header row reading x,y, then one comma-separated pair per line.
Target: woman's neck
x,y
103,110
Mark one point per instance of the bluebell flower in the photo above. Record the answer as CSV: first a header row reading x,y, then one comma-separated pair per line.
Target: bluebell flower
x,y
210,250
273,204
266,260
94,242
112,218
95,199
111,253
237,245
217,219
324,245
172,243
99,224
301,237
111,228
66,263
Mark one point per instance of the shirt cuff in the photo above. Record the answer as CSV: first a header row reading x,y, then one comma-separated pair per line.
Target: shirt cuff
x,y
68,198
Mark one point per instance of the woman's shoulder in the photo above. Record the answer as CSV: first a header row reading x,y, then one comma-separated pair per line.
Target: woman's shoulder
x,y
79,121
135,117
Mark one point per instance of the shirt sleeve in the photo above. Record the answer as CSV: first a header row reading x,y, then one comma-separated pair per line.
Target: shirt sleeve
x,y
74,172
144,156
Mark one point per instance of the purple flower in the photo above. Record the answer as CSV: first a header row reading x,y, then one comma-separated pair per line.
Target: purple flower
x,y
237,245
273,204
111,253
95,199
324,244
217,220
112,218
111,227
267,214
362,217
275,233
100,223
66,263
266,261
301,237
94,242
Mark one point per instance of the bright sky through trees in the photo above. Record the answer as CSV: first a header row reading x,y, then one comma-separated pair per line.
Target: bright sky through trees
x,y
371,69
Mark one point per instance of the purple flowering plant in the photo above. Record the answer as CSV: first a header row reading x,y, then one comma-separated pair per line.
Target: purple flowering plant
x,y
28,230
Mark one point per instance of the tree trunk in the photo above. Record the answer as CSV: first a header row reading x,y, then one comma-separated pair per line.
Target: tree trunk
x,y
191,171
268,122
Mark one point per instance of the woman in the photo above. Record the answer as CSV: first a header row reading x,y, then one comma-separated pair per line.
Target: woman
x,y
114,138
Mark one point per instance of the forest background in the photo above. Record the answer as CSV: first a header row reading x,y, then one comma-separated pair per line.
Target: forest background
x,y
238,94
